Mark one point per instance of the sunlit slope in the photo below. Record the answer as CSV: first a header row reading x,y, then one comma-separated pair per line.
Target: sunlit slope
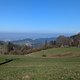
x,y
37,67
57,52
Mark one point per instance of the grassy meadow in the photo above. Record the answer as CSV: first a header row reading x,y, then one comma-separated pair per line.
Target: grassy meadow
x,y
57,64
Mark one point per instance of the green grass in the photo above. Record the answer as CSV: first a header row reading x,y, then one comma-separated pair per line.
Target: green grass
x,y
35,67
55,51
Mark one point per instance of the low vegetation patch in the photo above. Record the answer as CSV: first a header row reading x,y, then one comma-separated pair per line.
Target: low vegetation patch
x,y
44,55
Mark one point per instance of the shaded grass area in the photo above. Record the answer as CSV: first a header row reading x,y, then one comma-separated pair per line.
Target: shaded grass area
x,y
6,61
39,68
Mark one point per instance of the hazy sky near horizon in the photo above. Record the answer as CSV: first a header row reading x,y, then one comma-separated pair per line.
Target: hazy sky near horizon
x,y
40,16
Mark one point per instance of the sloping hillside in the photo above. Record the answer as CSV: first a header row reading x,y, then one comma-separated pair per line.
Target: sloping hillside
x,y
57,52
37,67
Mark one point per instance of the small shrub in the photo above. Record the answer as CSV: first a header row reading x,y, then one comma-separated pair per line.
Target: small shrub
x,y
43,55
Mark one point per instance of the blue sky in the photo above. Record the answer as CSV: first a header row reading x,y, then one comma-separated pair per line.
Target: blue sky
x,y
40,16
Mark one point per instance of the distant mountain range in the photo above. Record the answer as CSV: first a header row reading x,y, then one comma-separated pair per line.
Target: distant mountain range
x,y
34,39
21,36
35,43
